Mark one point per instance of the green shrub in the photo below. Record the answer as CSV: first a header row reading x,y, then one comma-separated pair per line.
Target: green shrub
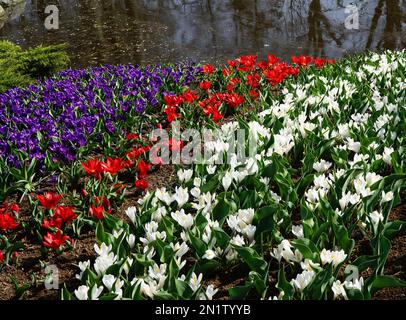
x,y
19,68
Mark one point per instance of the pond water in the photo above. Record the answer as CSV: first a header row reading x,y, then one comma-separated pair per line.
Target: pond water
x,y
152,31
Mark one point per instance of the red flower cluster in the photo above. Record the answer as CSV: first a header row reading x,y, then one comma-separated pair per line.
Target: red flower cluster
x,y
61,215
135,153
141,184
174,101
93,167
50,200
171,113
305,61
101,205
244,77
7,221
143,169
208,69
54,240
205,85
112,166
132,136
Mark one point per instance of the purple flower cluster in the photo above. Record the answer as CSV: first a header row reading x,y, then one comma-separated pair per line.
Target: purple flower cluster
x,y
51,119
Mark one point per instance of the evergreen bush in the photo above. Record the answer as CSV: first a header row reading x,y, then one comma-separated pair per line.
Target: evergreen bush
x,y
19,68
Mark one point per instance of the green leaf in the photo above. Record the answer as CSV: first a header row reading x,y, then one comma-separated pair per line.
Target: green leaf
x,y
284,285
264,220
207,267
211,185
65,294
197,244
341,234
164,295
221,210
381,282
364,262
252,259
249,199
222,238
240,292
391,229
101,235
307,248
108,297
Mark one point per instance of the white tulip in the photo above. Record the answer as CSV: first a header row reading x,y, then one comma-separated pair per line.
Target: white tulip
x,y
338,290
386,197
195,281
303,280
181,196
322,166
210,291
108,281
131,212
96,292
164,196
298,231
387,155
184,220
185,175
82,293
209,255
227,180
211,169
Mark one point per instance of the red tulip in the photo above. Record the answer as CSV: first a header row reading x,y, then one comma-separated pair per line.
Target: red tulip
x,y
171,113
205,85
174,144
319,63
49,200
234,100
189,96
55,222
118,187
254,94
272,59
54,241
96,212
226,72
92,167
141,184
65,213
112,166
263,65
1,257
143,168
216,115
132,136
14,207
246,63
253,80
173,101
102,201
303,61
208,69
7,222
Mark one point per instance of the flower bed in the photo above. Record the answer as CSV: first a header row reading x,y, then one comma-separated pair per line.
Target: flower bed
x,y
328,171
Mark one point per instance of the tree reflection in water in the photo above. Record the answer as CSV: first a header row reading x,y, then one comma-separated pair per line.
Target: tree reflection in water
x,y
151,31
